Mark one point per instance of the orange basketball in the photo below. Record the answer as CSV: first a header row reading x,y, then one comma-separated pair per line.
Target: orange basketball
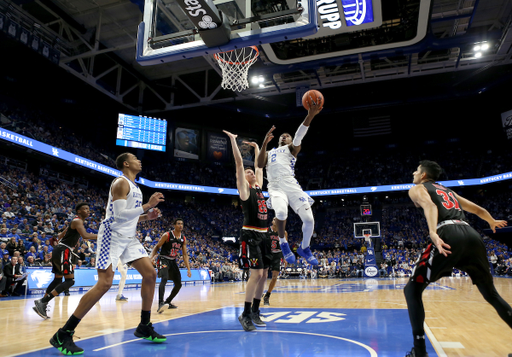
x,y
312,95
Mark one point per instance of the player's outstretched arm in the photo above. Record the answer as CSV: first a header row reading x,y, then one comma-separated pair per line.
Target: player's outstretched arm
x,y
421,198
303,128
258,170
241,183
261,158
481,212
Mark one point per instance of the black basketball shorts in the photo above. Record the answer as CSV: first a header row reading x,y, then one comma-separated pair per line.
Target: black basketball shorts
x,y
62,260
275,264
168,269
468,254
254,250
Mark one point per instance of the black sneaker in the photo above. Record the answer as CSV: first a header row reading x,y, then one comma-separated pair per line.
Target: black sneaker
x,y
256,319
246,323
415,352
161,307
63,341
147,332
172,306
41,308
266,300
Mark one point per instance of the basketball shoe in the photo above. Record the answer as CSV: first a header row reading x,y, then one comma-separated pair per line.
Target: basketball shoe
x,y
287,253
41,309
162,306
256,319
147,332
121,298
246,323
172,306
306,254
266,300
63,341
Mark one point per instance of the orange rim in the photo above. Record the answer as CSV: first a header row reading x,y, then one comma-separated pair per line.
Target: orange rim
x,y
238,63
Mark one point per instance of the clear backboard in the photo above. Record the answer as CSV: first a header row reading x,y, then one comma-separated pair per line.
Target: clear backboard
x,y
179,29
362,228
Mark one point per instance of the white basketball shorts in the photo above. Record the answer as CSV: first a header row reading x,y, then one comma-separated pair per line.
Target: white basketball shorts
x,y
289,190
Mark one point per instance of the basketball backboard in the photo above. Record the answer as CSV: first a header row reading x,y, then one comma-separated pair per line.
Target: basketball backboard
x,y
362,228
179,29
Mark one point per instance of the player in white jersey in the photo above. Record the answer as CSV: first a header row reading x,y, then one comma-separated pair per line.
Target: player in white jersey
x,y
284,189
117,242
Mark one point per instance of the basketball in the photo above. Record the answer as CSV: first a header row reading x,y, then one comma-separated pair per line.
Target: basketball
x,y
312,95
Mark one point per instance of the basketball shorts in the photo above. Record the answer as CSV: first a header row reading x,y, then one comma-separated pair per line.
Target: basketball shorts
x,y
289,190
168,269
275,264
254,250
62,260
113,247
468,254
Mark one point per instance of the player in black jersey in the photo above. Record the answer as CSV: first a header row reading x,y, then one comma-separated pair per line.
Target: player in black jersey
x,y
61,259
454,244
171,242
254,252
277,255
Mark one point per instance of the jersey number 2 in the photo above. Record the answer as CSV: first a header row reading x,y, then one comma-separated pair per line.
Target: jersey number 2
x,y
450,201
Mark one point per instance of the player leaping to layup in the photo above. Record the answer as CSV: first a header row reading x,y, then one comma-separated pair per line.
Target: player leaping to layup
x,y
117,241
285,190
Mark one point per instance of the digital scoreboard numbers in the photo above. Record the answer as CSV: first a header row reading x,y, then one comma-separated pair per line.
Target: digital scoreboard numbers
x,y
141,132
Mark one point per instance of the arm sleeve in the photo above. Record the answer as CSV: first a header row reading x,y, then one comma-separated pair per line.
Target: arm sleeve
x,y
299,135
121,214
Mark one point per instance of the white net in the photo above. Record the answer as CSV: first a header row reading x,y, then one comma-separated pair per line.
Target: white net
x,y
235,67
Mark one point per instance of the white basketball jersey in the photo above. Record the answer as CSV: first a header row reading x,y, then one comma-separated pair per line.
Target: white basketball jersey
x,y
280,163
133,200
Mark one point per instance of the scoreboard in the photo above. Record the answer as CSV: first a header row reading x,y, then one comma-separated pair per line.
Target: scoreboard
x,y
141,132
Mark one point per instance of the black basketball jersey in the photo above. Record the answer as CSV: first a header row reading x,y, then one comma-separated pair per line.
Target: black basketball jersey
x,y
72,236
274,241
171,248
255,210
447,205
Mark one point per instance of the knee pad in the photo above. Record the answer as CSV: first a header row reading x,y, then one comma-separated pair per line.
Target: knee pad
x,y
68,282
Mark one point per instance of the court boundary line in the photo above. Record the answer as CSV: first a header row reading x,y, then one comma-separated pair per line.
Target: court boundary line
x,y
435,343
373,353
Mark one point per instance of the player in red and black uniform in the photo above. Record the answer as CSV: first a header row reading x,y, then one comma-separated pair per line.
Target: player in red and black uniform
x,y
454,244
277,255
254,252
62,259
171,242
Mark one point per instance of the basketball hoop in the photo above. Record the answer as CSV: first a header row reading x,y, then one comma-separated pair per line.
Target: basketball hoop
x,y
235,67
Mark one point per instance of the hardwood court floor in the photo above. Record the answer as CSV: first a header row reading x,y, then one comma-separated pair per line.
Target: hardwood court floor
x,y
459,321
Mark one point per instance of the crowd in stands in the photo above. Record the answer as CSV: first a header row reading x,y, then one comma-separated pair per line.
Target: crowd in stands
x,y
38,207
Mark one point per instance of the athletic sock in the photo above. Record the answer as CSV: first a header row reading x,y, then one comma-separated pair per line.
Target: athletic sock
x,y
71,324
247,308
145,316
282,240
267,295
256,305
419,343
47,298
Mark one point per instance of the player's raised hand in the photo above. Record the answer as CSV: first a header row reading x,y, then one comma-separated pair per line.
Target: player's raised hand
x,y
154,213
231,135
156,198
269,135
497,224
252,143
314,108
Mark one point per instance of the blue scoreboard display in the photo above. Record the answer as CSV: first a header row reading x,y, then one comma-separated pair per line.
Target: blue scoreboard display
x,y
141,132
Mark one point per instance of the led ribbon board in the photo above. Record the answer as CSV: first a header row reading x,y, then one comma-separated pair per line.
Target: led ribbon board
x,y
35,145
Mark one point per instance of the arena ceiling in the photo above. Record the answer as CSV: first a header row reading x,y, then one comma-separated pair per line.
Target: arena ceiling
x,y
96,40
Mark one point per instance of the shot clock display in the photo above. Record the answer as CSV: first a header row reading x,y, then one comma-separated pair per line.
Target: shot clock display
x,y
366,210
